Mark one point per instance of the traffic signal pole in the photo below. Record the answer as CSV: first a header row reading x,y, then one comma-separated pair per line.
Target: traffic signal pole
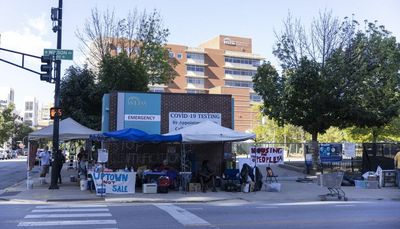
x,y
55,168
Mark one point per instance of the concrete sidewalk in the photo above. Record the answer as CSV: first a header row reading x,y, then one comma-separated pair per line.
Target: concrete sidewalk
x,y
291,191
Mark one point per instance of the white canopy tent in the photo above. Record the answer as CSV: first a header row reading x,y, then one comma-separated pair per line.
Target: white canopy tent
x,y
209,131
69,130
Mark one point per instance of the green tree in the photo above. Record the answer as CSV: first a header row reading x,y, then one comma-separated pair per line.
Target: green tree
x,y
123,74
81,97
7,120
370,83
21,131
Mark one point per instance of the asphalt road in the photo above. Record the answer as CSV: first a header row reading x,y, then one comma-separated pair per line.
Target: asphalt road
x,y
223,215
12,171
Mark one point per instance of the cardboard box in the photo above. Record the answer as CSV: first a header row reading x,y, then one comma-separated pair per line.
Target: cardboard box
x,y
150,188
194,187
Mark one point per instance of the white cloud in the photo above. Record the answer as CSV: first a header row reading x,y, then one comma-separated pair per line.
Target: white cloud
x,y
40,24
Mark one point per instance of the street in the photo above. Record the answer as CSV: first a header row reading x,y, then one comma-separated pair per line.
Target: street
x,y
223,215
12,171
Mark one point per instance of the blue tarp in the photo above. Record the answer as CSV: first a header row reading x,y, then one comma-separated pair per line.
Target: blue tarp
x,y
136,135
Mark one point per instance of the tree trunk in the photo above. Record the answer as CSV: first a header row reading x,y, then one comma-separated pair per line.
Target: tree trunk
x,y
314,150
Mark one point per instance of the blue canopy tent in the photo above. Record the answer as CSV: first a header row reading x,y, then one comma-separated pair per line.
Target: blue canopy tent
x,y
136,135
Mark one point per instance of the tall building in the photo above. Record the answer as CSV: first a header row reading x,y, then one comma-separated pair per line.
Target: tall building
x,y
44,115
6,96
31,111
222,65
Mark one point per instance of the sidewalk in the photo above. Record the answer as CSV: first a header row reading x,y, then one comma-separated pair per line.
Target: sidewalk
x,y
291,191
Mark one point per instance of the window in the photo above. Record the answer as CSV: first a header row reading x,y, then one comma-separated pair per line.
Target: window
x,y
156,89
29,106
170,54
195,68
195,81
240,72
195,56
179,55
236,60
234,83
195,91
255,98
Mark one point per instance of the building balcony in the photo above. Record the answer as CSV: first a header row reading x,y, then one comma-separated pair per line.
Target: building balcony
x,y
240,66
195,74
243,55
238,78
195,50
195,62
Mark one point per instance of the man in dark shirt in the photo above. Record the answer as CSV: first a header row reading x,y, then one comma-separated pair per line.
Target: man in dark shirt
x,y
206,175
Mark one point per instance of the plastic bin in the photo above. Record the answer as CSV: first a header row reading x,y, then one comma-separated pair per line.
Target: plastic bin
x,y
360,184
150,188
84,184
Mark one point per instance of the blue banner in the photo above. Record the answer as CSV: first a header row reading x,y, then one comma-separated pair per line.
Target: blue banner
x,y
330,152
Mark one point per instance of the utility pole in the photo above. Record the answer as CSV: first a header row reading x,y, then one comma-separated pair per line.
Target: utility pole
x,y
56,15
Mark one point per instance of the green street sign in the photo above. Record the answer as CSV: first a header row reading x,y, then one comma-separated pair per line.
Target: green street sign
x,y
61,54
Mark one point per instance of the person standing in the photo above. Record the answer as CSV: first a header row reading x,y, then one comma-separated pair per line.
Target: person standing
x,y
45,158
397,168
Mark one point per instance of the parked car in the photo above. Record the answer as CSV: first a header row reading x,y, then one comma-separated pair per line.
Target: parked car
x,y
3,154
14,154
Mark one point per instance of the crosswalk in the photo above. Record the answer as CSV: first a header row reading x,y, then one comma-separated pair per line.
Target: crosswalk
x,y
69,215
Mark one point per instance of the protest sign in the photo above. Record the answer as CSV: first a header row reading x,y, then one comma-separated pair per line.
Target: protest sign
x,y
267,155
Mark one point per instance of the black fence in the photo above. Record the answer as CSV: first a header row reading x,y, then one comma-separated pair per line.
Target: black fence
x,y
368,156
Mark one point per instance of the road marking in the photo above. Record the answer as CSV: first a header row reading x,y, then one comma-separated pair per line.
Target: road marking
x,y
182,216
66,223
68,215
194,208
345,205
73,210
315,203
71,206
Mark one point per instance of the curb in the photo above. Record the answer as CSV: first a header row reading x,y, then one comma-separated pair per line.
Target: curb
x,y
168,201
73,200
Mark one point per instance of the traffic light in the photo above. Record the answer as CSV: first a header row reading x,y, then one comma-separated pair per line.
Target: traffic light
x,y
46,68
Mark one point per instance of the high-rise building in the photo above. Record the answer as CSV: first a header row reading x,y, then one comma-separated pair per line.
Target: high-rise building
x,y
31,111
6,96
222,65
44,115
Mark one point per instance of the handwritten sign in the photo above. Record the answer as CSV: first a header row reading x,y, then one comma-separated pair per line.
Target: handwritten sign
x,y
267,155
114,182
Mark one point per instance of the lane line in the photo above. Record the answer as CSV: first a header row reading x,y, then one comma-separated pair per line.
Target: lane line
x,y
72,210
68,215
345,205
70,206
66,223
184,217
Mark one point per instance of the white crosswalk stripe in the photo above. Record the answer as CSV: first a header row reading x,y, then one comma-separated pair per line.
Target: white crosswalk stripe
x,y
183,216
68,215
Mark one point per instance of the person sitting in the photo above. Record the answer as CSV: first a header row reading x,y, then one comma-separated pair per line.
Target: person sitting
x,y
206,175
170,172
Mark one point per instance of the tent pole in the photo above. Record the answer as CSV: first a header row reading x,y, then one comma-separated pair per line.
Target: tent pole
x,y
28,172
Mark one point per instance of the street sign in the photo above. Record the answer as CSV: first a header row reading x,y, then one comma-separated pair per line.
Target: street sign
x,y
61,54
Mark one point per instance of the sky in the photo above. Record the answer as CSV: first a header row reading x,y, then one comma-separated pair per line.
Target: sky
x,y
25,26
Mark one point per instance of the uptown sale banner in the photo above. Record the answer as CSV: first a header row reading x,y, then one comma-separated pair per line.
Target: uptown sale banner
x,y
266,155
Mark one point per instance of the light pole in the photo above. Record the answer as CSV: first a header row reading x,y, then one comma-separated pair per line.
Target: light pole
x,y
56,15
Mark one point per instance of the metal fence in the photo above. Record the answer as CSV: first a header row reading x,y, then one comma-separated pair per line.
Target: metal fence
x,y
368,155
